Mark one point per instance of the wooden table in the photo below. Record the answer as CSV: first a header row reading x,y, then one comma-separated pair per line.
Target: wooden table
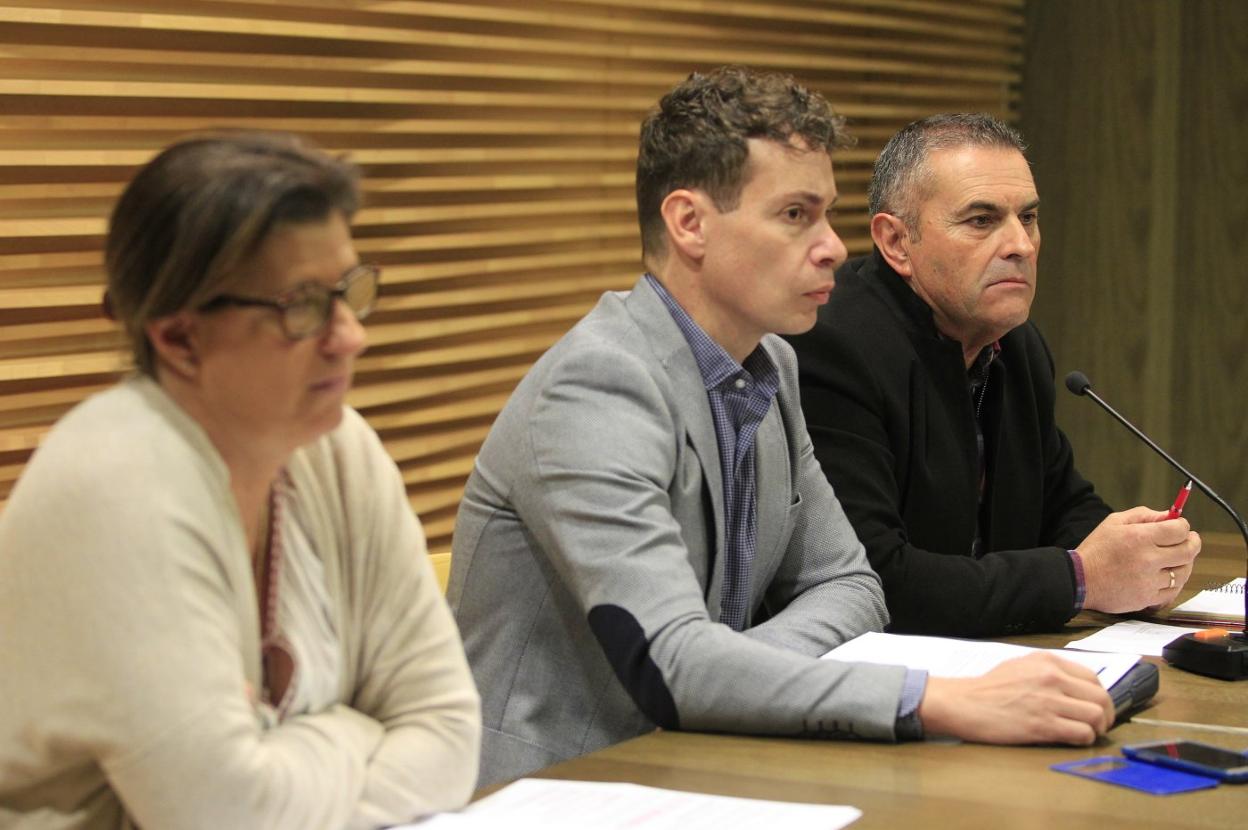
x,y
945,784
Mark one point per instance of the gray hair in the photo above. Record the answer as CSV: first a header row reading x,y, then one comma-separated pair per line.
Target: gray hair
x,y
899,182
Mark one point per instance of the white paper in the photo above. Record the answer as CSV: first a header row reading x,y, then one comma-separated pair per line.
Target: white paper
x,y
538,804
947,657
1225,602
1131,637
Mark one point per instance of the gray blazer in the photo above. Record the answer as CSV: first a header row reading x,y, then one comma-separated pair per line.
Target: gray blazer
x,y
586,565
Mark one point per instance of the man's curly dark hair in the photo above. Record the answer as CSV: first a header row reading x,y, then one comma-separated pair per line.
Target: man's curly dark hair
x,y
697,138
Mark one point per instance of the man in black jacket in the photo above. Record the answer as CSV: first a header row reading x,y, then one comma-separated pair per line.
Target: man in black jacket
x,y
929,397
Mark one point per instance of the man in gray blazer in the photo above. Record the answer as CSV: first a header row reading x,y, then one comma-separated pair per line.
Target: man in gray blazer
x,y
647,539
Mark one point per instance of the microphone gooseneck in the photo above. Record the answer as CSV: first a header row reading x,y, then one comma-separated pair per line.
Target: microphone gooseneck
x,y
1078,383
1229,658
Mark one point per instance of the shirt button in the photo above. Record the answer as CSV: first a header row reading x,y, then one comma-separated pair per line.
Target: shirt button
x,y
739,383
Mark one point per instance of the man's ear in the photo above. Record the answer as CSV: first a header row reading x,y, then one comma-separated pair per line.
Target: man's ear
x,y
175,340
892,237
684,214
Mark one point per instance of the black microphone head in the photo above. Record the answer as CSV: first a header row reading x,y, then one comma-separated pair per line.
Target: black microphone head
x,y
1077,382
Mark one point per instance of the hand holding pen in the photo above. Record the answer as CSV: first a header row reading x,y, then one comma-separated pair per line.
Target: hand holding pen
x,y
1175,511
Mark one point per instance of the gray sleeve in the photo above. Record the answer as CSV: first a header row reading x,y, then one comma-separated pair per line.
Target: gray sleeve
x,y
603,438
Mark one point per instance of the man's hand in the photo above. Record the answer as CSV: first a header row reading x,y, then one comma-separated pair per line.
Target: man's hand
x,y
1039,698
1129,558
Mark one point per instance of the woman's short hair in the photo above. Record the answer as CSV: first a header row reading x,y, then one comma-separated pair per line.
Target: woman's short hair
x,y
197,211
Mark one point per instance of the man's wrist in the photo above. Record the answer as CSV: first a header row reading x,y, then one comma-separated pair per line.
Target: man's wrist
x,y
1081,582
909,726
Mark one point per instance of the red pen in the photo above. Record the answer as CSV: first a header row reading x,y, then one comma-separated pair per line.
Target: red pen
x,y
1176,509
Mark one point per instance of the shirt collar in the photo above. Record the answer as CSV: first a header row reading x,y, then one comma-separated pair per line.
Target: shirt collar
x,y
714,363
984,359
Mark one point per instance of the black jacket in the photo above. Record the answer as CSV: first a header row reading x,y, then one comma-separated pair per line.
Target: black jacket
x,y
889,410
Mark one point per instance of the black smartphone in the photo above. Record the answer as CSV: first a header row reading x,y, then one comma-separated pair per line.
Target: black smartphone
x,y
1193,756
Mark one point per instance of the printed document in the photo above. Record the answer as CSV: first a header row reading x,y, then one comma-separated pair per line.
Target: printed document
x,y
947,657
539,804
1132,637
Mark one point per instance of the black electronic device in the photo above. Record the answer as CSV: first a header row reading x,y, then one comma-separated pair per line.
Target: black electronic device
x,y
1134,689
1216,653
1195,757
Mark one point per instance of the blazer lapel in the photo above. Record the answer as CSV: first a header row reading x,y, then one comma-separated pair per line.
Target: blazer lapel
x,y
771,460
674,355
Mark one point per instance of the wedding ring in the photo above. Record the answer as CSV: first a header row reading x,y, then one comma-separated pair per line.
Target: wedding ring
x,y
1171,572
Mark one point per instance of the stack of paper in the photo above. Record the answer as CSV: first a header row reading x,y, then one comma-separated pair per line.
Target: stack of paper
x,y
946,657
1132,637
1215,606
536,804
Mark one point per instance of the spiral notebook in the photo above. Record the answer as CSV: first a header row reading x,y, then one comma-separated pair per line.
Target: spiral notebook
x,y
1223,605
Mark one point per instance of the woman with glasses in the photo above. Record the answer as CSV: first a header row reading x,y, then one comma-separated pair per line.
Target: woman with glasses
x,y
215,605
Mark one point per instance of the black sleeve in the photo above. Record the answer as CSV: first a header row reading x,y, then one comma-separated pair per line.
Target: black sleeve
x,y
910,491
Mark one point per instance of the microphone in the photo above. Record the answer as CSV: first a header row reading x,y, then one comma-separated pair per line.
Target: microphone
x,y
1222,654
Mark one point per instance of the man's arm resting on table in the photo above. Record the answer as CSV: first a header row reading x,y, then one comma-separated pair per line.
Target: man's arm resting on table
x,y
598,504
1039,698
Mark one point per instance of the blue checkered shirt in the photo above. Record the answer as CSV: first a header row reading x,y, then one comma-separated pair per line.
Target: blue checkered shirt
x,y
740,396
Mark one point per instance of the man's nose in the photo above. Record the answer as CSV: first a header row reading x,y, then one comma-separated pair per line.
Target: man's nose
x,y
830,251
1022,240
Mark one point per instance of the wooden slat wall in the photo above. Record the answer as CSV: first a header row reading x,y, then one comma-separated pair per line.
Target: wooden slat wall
x,y
497,140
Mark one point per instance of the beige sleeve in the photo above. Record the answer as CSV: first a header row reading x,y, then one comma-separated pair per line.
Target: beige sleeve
x,y
414,679
137,620
130,626
211,770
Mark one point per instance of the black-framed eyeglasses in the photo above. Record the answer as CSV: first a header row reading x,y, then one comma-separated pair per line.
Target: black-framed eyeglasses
x,y
306,308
